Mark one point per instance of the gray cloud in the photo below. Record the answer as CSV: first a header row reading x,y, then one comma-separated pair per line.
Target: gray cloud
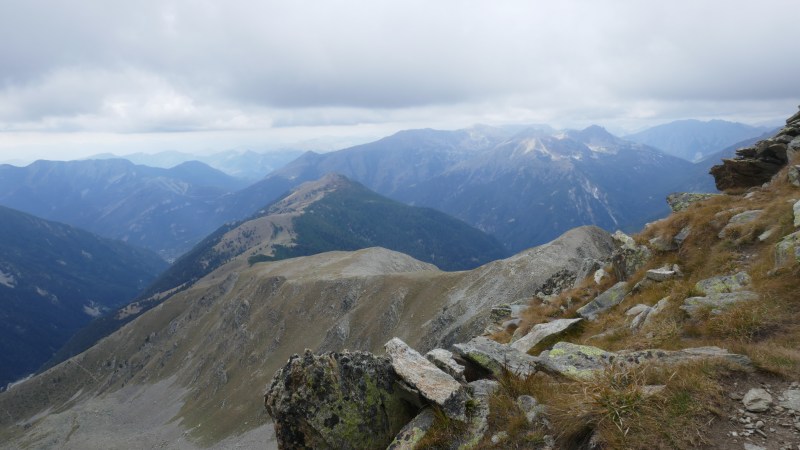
x,y
180,65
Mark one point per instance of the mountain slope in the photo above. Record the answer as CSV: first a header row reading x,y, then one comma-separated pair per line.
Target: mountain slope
x,y
332,213
523,189
694,140
217,343
54,279
164,210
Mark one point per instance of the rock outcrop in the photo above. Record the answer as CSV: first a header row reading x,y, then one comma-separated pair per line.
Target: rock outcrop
x,y
756,165
611,297
679,201
337,401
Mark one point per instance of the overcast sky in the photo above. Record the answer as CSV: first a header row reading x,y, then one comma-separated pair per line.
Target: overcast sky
x,y
84,77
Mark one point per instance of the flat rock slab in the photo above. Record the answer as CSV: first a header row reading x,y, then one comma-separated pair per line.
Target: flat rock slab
x,y
432,383
443,359
496,357
611,297
740,219
724,283
680,356
717,303
578,362
679,201
542,331
408,438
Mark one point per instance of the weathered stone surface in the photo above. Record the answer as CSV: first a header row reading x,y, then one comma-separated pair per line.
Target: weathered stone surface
x,y
791,399
588,267
716,302
435,385
443,359
478,423
662,244
533,410
743,173
337,401
739,219
629,256
724,283
682,235
599,276
408,438
662,274
757,400
578,362
787,251
796,212
643,314
794,176
679,201
496,357
766,235
611,297
543,331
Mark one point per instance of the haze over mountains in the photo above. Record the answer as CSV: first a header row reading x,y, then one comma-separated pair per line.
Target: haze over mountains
x,y
54,279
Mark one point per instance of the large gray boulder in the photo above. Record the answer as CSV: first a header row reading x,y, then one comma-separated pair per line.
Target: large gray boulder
x,y
541,332
757,400
337,401
577,362
716,303
436,386
496,357
611,297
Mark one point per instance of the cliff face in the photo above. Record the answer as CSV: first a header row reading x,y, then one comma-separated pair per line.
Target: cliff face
x,y
756,165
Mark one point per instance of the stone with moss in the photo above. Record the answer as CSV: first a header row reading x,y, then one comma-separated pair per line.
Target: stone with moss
x,y
787,251
608,299
337,401
496,358
410,436
716,303
577,362
542,332
679,201
723,284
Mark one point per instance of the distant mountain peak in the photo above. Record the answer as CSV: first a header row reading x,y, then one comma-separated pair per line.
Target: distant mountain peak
x,y
308,193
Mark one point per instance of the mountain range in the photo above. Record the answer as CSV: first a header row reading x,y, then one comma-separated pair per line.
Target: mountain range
x,y
54,279
695,140
164,210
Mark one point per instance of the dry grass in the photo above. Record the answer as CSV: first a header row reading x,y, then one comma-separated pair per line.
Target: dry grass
x,y
443,433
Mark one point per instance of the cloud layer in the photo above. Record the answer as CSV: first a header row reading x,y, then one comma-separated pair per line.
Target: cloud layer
x,y
156,66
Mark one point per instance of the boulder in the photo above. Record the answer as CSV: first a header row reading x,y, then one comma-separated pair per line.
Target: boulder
x,y
577,362
794,176
670,357
743,172
757,400
679,201
435,385
496,357
443,359
611,297
629,256
662,244
724,283
541,332
408,438
716,302
791,399
662,274
337,401
787,251
588,267
478,423
643,314
682,235
796,212
741,218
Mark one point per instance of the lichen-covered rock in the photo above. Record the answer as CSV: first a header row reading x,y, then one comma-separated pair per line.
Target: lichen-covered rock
x,y
716,302
724,283
663,244
409,437
443,359
636,357
543,331
629,256
577,362
533,410
435,385
496,357
682,235
796,212
679,201
611,297
787,251
741,218
794,176
337,401
478,422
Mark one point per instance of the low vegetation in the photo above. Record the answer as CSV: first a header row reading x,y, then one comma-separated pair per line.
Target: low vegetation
x,y
619,408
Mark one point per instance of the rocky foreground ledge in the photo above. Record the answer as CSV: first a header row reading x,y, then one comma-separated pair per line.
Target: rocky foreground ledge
x,y
358,400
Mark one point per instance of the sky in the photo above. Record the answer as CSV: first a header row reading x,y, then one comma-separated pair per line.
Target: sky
x,y
91,76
